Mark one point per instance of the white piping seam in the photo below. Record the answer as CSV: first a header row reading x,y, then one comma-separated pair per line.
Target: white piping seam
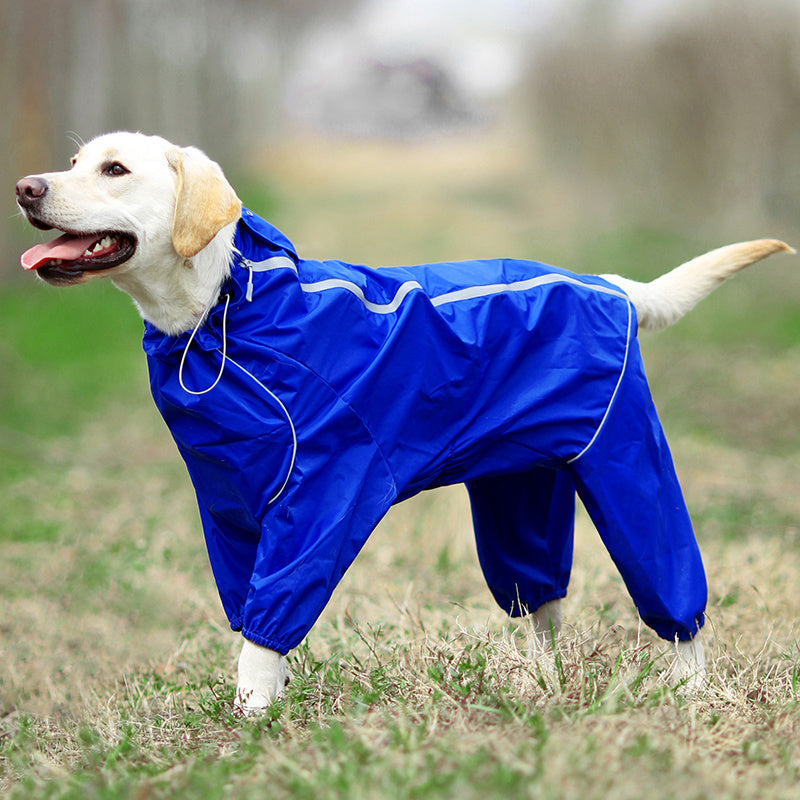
x,y
289,420
616,388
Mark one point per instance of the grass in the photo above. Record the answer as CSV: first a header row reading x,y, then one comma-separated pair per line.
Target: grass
x,y
118,670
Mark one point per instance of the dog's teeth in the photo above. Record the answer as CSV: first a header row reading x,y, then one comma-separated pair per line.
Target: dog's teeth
x,y
99,245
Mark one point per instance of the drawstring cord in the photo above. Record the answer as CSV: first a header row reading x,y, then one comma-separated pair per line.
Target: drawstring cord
x,y
224,350
225,359
291,428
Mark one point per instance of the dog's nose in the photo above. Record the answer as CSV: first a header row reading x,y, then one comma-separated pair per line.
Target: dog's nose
x,y
30,190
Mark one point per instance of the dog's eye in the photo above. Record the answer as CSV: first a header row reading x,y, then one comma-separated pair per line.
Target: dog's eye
x,y
114,169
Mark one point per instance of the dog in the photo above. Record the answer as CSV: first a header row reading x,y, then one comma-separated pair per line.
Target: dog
x,y
307,397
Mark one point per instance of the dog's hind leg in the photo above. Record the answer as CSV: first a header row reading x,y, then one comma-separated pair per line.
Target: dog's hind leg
x,y
627,481
524,525
546,624
688,668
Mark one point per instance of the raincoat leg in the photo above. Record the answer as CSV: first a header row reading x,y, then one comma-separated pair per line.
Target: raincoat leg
x,y
627,481
524,525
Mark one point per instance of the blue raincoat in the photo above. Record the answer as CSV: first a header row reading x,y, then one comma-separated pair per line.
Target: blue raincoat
x,y
318,394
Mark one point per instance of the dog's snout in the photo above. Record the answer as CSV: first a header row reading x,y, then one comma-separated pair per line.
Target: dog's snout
x,y
31,190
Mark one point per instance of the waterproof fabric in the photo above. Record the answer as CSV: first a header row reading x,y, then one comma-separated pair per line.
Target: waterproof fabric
x,y
344,389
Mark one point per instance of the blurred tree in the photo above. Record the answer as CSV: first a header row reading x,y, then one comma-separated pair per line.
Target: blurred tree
x,y
32,44
205,72
696,119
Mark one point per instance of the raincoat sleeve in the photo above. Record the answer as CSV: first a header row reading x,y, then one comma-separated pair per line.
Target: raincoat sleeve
x,y
339,488
283,517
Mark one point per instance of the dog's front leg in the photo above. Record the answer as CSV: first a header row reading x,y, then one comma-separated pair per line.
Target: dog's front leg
x,y
688,668
263,676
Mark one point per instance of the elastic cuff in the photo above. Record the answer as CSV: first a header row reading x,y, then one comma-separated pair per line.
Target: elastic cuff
x,y
679,632
520,609
265,641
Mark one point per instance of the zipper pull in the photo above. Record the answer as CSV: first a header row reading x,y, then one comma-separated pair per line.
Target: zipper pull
x,y
249,267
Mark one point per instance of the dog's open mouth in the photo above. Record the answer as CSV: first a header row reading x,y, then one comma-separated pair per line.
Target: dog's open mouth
x,y
66,259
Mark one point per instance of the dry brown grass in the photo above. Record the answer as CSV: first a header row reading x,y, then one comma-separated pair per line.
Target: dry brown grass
x,y
411,645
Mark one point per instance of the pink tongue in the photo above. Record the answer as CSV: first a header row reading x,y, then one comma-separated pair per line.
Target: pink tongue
x,y
66,247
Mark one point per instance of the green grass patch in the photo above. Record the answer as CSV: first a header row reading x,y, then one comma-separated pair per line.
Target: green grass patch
x,y
66,357
636,252
65,354
259,196
731,517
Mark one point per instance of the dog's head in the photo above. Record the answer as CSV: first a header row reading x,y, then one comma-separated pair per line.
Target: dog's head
x,y
128,200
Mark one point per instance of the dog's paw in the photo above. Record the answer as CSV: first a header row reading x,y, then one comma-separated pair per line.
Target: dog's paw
x,y
249,703
546,623
263,677
688,673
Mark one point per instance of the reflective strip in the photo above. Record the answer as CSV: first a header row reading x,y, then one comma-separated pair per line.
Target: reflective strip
x,y
472,292
276,262
455,296
377,308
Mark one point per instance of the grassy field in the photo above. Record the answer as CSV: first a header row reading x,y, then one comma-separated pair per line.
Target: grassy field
x,y
117,665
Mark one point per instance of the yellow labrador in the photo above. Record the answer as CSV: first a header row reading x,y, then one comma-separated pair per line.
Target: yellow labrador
x,y
159,221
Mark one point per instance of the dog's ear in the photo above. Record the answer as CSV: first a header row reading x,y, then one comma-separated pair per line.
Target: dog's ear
x,y
205,201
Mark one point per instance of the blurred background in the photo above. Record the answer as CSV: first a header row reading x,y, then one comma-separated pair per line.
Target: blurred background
x,y
600,135
669,113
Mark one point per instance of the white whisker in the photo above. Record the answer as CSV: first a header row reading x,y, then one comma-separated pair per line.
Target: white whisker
x,y
75,139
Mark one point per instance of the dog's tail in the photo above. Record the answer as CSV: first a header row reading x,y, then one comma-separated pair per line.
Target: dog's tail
x,y
665,300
